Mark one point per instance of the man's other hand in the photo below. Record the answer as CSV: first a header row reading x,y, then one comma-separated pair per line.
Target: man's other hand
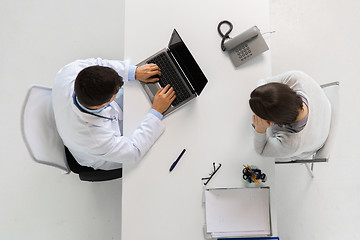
x,y
163,98
148,73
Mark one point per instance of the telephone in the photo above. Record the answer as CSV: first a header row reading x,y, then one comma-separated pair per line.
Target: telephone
x,y
244,46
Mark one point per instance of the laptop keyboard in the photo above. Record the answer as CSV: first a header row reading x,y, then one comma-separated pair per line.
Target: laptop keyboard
x,y
170,76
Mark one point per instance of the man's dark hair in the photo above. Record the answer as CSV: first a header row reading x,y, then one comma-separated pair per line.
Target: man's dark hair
x,y
276,102
96,85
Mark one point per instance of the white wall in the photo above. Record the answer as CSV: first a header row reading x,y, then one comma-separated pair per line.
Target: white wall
x,y
322,39
37,38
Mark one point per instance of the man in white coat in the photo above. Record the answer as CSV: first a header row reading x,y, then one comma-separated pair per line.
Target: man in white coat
x,y
88,119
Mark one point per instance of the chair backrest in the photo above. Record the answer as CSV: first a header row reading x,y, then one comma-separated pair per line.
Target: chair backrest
x,y
39,129
332,92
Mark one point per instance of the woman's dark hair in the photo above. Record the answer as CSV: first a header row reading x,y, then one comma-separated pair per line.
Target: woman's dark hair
x,y
96,85
276,102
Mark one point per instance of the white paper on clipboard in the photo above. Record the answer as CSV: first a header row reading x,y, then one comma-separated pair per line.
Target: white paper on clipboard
x,y
238,211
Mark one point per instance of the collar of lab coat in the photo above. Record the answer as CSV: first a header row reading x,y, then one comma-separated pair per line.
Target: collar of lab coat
x,y
110,112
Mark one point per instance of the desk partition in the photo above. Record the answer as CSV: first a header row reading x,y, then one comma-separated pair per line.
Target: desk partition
x,y
215,127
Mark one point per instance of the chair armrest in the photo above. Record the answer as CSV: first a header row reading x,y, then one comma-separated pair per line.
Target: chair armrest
x,y
313,160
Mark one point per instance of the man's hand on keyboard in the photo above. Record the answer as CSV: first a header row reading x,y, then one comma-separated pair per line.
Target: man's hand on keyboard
x,y
146,73
163,98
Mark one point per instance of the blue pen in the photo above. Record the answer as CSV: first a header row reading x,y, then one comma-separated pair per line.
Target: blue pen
x,y
177,160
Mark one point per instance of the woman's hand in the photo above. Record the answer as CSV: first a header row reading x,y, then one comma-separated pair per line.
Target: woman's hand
x,y
260,124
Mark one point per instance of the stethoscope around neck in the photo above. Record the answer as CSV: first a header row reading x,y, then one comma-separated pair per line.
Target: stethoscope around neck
x,y
108,118
84,111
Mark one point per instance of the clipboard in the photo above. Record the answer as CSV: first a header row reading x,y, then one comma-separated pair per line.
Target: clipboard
x,y
238,212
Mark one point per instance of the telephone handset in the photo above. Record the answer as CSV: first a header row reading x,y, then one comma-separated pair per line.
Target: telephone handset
x,y
244,46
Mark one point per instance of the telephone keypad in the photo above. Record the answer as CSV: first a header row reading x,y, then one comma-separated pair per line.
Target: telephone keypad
x,y
243,51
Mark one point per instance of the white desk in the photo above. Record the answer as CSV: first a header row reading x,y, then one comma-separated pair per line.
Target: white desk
x,y
214,127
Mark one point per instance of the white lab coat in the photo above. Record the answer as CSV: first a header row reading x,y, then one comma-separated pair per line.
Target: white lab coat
x,y
94,141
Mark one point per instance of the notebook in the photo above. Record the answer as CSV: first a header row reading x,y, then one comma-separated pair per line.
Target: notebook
x,y
179,69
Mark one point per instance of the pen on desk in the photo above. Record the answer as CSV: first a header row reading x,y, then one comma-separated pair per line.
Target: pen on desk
x,y
177,160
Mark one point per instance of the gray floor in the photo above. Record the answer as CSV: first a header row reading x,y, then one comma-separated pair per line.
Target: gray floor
x,y
38,37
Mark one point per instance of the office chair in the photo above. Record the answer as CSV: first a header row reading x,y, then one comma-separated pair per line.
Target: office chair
x,y
44,143
323,154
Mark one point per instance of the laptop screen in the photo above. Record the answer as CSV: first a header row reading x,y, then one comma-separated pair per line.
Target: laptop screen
x,y
187,62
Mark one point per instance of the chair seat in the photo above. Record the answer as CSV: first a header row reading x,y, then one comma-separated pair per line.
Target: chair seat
x,y
90,174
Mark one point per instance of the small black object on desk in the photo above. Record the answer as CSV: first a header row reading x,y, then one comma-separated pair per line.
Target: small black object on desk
x,y
177,160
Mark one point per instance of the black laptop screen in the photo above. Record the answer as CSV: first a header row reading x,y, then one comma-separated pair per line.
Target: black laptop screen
x,y
187,62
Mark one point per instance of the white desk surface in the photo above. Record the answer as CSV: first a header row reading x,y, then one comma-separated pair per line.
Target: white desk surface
x,y
213,127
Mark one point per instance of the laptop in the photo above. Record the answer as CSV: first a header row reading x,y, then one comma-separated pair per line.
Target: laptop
x,y
179,69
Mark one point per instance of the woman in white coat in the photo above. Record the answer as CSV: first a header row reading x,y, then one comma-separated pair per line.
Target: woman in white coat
x,y
89,120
